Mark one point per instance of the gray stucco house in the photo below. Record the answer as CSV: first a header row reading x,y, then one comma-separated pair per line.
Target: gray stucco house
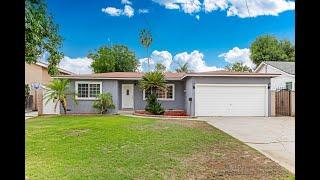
x,y
215,93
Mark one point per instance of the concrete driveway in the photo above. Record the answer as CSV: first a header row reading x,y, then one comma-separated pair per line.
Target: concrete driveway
x,y
272,136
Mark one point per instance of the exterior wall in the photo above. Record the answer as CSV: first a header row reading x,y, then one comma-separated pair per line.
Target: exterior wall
x,y
139,103
191,81
35,73
280,81
46,78
85,106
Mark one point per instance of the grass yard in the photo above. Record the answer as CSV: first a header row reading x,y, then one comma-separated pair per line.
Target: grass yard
x,y
119,147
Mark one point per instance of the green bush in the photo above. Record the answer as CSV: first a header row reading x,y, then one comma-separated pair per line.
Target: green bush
x,y
153,106
104,102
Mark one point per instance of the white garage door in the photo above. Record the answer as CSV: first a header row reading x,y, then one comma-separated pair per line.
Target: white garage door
x,y
231,100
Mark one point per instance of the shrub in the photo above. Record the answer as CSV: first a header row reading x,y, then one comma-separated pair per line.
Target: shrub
x,y
104,103
153,106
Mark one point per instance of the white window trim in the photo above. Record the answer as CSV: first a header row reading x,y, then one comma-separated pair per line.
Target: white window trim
x,y
163,99
87,82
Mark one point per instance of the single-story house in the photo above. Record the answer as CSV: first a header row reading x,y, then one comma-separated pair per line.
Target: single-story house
x,y
215,93
287,70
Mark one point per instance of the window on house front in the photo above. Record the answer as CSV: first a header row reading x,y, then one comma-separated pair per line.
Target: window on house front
x,y
167,94
289,85
83,90
88,90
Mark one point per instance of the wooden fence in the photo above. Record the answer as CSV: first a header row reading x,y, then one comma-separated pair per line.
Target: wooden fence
x,y
283,102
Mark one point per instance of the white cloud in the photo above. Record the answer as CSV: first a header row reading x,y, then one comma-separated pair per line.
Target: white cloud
x,y
127,11
163,57
143,11
188,6
144,64
198,17
125,2
233,7
212,5
258,8
238,55
80,65
171,6
112,11
195,61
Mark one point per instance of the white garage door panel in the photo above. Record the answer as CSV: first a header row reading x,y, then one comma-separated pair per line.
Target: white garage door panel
x,y
230,100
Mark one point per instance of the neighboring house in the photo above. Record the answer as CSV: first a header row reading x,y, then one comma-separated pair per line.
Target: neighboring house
x,y
216,93
38,73
287,70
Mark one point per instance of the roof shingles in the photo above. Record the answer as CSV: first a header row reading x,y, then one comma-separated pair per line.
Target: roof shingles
x,y
288,67
169,75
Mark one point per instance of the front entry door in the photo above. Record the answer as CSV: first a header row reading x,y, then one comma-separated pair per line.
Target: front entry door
x,y
127,96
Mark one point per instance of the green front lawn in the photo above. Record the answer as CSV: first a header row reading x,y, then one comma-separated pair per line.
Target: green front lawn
x,y
118,147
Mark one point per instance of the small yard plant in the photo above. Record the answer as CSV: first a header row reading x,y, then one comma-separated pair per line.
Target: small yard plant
x,y
153,106
104,102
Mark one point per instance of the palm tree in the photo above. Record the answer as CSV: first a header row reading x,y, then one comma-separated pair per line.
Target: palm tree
x,y
152,81
58,93
146,41
183,68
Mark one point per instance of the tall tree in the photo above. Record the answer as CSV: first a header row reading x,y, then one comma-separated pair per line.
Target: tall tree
x,y
146,40
160,67
269,48
41,35
117,58
238,67
183,68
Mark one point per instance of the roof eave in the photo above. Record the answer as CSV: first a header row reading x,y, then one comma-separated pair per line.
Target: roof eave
x,y
106,78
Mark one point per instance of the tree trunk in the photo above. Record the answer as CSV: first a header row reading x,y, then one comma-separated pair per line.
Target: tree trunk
x,y
64,107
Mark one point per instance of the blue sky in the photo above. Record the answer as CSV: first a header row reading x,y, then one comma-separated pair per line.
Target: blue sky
x,y
207,43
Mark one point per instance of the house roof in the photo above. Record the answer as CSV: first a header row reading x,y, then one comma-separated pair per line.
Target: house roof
x,y
288,67
45,65
169,75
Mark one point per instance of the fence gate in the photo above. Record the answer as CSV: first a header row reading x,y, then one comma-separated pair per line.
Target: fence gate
x,y
283,104
28,103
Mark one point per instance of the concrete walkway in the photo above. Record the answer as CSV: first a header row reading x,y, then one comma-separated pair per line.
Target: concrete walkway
x,y
272,136
31,114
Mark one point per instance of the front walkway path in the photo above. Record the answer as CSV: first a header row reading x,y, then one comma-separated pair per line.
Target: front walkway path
x,y
272,136
31,114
